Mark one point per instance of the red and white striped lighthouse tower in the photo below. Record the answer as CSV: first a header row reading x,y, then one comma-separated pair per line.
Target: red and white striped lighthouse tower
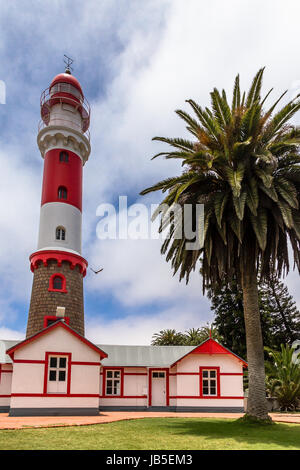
x,y
58,265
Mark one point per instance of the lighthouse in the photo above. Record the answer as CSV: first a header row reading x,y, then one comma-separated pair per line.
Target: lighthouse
x,y
57,264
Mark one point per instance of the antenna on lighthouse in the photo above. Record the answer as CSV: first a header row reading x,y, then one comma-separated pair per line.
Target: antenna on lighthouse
x,y
68,61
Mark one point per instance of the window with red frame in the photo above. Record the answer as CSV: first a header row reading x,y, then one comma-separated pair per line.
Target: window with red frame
x,y
209,382
57,283
50,319
57,374
113,382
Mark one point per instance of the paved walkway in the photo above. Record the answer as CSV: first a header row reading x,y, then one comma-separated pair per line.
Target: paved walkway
x,y
7,422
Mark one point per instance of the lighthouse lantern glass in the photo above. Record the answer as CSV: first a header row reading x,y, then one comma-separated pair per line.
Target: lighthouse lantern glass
x,y
65,88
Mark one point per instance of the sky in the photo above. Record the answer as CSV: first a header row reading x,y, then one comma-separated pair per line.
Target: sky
x,y
137,61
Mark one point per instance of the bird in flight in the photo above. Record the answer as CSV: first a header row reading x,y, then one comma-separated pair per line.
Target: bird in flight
x,y
96,272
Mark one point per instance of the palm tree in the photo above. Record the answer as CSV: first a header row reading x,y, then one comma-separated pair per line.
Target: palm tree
x,y
283,378
168,338
195,336
243,165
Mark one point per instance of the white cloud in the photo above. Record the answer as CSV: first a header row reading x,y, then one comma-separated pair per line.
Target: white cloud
x,y
156,54
139,329
20,196
197,50
136,273
9,334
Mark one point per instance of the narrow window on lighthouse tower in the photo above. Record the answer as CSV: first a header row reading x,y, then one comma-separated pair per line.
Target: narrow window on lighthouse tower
x,y
63,156
62,192
57,283
60,233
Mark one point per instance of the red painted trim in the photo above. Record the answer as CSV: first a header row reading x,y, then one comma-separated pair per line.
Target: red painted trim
x,y
28,361
124,396
135,373
59,324
80,363
211,397
184,373
59,256
5,396
68,176
210,346
35,361
167,378
197,373
231,373
201,368
62,395
168,388
105,369
64,283
69,356
55,318
130,373
6,371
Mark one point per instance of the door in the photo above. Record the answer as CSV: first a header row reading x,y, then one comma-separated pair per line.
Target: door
x,y
158,388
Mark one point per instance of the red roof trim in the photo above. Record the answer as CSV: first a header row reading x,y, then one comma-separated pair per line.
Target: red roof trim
x,y
61,324
45,255
210,346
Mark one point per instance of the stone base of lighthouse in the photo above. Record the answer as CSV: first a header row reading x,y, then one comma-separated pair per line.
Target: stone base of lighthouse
x,y
45,298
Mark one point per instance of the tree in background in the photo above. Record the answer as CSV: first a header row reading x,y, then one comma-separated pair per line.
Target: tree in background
x,y
285,317
280,318
167,337
192,337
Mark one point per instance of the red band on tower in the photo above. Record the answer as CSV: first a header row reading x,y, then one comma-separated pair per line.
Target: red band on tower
x,y
62,174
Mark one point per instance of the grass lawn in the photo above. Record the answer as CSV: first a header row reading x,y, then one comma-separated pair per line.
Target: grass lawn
x,y
156,434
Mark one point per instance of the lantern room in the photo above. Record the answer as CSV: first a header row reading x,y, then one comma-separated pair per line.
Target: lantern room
x,y
63,103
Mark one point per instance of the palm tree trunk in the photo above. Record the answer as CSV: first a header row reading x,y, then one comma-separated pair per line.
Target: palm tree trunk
x,y
257,403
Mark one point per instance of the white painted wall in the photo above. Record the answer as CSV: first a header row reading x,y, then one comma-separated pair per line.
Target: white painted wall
x,y
186,385
5,384
55,214
29,377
